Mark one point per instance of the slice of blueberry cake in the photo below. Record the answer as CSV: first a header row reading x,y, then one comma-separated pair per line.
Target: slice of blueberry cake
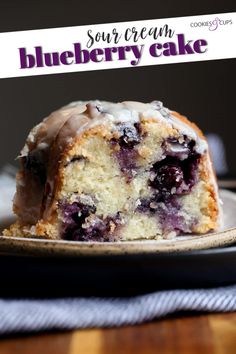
x,y
100,171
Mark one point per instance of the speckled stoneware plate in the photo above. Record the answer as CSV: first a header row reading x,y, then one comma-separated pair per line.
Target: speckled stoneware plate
x,y
41,268
224,237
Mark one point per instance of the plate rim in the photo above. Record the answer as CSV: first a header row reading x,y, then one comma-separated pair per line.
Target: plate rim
x,y
34,247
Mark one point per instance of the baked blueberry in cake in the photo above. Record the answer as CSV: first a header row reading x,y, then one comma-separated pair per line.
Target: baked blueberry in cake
x,y
101,171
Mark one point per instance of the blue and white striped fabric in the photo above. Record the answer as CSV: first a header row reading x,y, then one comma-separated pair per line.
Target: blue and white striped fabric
x,y
40,315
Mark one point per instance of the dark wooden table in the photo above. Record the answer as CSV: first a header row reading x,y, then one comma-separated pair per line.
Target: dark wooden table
x,y
200,334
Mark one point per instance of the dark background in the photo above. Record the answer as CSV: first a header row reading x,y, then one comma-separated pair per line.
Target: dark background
x,y
204,91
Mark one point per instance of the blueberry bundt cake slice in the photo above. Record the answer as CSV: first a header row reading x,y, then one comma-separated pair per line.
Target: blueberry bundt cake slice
x,y
100,171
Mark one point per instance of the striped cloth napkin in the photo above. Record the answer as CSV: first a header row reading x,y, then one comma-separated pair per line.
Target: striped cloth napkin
x,y
72,313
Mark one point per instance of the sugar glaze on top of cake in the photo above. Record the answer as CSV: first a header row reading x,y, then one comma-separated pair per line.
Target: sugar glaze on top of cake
x,y
98,112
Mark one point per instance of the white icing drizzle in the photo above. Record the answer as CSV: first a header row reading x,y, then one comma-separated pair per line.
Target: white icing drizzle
x,y
102,112
130,111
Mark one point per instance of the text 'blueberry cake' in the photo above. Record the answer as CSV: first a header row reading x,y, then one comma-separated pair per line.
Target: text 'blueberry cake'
x,y
100,171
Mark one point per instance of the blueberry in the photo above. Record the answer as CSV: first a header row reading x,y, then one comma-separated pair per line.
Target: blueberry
x,y
74,219
130,136
180,148
158,105
168,177
77,212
